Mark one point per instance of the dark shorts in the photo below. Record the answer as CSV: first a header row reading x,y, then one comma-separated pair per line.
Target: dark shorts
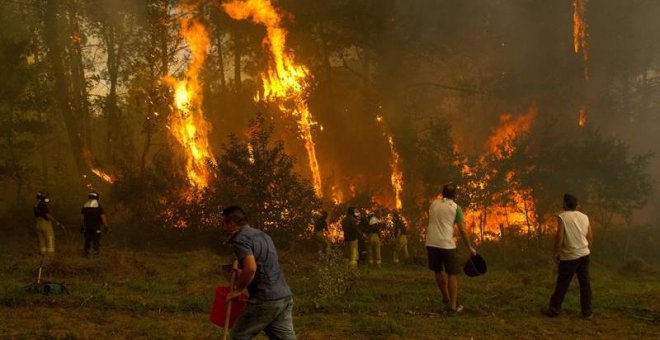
x,y
443,260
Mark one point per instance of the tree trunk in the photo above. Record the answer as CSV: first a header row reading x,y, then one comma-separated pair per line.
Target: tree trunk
x,y
52,37
237,57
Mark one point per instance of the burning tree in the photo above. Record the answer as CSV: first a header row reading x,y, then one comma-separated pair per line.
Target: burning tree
x,y
259,175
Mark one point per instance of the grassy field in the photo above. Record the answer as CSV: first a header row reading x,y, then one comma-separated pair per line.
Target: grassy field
x,y
140,294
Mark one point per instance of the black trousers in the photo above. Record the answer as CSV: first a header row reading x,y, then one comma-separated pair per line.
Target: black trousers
x,y
565,274
92,239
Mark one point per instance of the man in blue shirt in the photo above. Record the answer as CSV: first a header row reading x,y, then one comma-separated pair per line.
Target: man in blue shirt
x,y
270,303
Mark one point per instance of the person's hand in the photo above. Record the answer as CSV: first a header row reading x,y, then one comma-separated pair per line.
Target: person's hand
x,y
555,257
473,251
233,295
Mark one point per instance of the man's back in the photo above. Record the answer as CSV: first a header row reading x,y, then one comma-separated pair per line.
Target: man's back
x,y
92,211
349,226
576,228
443,213
269,282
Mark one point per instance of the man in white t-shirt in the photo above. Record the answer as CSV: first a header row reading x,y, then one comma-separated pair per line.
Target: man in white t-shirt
x,y
444,216
571,253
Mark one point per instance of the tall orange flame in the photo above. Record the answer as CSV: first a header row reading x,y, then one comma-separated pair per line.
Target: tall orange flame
x,y
397,176
285,83
580,31
87,156
187,124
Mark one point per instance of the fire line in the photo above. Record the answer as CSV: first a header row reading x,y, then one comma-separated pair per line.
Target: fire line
x,y
285,83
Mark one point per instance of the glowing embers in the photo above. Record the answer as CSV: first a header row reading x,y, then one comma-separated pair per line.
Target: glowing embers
x,y
396,178
187,123
285,83
582,118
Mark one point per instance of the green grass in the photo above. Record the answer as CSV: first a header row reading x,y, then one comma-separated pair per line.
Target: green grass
x,y
134,294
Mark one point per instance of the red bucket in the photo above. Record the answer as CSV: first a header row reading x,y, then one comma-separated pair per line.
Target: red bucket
x,y
219,309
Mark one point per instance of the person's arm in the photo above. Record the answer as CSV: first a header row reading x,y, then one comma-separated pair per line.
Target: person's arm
x,y
105,222
590,236
82,223
51,218
559,239
245,276
466,238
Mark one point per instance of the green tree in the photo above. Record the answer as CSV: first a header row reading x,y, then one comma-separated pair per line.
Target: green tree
x,y
258,175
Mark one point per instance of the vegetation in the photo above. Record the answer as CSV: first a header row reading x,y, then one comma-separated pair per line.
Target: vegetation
x,y
152,293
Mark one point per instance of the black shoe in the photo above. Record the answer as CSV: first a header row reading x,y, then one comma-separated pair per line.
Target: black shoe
x,y
549,313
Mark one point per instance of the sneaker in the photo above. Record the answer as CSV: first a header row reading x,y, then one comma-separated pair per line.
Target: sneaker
x,y
588,317
454,312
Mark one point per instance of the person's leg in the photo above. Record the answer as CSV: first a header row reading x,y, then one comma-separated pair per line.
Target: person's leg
x,y
397,249
41,236
88,243
441,281
96,243
585,286
254,319
353,251
50,238
371,245
377,250
452,283
282,325
404,246
565,271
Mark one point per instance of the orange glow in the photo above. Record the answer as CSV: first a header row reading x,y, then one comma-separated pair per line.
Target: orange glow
x,y
508,209
87,157
397,176
501,142
187,124
582,119
102,175
285,83
337,195
580,31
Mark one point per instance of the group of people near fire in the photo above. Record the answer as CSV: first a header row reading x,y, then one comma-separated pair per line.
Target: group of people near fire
x,y
92,223
362,235
270,299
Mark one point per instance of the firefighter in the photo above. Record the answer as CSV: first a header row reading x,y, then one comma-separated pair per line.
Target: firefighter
x,y
373,239
320,227
93,223
401,238
44,224
351,234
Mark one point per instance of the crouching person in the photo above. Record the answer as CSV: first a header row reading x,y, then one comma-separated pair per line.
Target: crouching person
x,y
271,303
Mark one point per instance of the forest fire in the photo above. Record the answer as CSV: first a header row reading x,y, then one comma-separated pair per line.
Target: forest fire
x,y
512,206
285,83
397,176
187,124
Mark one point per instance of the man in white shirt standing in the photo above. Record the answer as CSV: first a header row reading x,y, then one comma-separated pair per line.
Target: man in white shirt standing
x,y
571,253
444,216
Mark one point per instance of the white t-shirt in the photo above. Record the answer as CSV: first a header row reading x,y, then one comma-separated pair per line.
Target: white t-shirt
x,y
443,214
576,227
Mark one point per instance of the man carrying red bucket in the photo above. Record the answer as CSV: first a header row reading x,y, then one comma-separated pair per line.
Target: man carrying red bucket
x,y
270,301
